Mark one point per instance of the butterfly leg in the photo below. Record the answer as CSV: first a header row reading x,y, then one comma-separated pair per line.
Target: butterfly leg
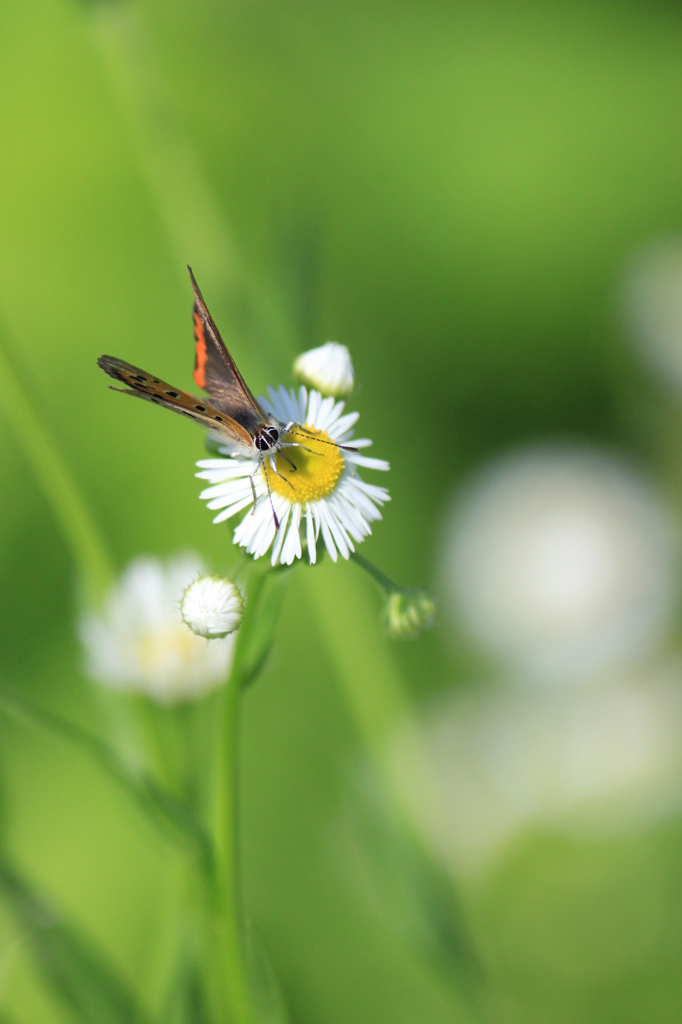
x,y
273,467
267,484
286,457
253,491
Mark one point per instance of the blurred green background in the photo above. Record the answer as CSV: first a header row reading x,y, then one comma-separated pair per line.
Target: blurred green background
x,y
450,189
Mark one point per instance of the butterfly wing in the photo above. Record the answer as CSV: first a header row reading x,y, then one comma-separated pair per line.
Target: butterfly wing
x,y
144,385
216,371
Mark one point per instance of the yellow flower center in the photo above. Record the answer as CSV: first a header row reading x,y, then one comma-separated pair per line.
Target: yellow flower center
x,y
317,470
157,646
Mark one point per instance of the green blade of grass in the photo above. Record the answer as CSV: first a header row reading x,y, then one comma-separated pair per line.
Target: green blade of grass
x,y
57,483
159,805
77,972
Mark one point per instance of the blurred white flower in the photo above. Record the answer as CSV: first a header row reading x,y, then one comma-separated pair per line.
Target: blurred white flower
x,y
561,562
328,369
139,643
212,607
598,760
408,613
651,303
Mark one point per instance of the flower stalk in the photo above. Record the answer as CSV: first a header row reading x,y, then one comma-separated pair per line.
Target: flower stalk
x,y
408,611
228,908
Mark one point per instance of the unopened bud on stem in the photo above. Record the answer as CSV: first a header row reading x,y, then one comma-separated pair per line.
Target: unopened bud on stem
x,y
212,607
408,613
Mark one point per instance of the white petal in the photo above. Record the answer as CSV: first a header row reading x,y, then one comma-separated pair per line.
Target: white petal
x,y
281,536
232,510
340,535
265,531
367,462
310,535
352,519
230,467
359,499
314,400
343,424
326,533
232,491
302,404
292,544
324,415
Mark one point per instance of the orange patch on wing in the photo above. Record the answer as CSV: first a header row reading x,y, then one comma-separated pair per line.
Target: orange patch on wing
x,y
201,354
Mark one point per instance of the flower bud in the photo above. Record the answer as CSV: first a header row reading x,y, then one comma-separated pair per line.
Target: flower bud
x,y
327,368
212,607
408,613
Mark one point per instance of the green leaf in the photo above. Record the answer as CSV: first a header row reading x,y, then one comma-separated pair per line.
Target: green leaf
x,y
78,973
157,803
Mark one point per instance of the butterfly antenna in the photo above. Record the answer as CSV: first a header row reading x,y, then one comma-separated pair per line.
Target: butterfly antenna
x,y
267,484
319,440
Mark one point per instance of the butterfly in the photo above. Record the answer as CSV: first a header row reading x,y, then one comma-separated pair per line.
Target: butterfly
x,y
232,415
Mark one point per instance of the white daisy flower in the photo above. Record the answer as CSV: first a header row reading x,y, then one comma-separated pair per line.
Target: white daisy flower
x,y
139,643
328,368
212,607
325,495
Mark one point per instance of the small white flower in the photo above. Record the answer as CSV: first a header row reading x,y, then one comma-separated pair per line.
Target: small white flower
x,y
408,613
139,643
327,368
325,495
212,607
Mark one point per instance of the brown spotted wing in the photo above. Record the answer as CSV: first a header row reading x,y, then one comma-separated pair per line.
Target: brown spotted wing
x,y
232,412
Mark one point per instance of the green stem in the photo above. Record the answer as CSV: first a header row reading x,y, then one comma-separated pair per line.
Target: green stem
x,y
229,910
377,575
55,480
